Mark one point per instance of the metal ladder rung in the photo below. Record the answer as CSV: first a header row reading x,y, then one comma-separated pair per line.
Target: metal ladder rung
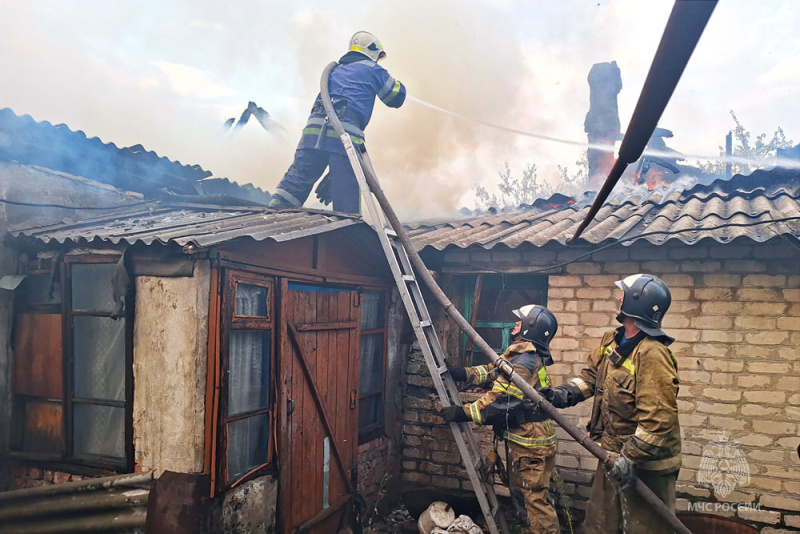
x,y
412,298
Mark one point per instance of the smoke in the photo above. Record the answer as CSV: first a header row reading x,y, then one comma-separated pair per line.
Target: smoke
x,y
168,74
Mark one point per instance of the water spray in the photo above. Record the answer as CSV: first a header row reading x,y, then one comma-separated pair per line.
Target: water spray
x,y
596,146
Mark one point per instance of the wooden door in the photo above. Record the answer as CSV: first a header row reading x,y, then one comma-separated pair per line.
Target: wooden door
x,y
319,372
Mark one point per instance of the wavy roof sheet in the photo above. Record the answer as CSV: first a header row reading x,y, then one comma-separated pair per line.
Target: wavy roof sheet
x,y
56,147
203,226
760,206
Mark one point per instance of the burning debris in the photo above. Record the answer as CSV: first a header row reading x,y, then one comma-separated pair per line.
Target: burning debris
x,y
262,116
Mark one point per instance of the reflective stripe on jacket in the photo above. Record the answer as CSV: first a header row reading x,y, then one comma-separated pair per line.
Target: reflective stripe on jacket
x,y
635,408
505,396
353,86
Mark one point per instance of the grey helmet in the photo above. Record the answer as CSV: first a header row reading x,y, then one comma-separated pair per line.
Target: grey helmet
x,y
539,326
646,298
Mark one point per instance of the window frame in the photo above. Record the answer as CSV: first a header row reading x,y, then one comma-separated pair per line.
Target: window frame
x,y
231,322
511,282
375,429
66,458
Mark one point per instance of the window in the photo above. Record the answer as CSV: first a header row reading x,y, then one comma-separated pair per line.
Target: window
x,y
72,367
247,384
498,296
373,357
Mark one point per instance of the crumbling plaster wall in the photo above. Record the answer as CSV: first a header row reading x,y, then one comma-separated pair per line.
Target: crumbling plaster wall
x,y
170,356
250,507
736,317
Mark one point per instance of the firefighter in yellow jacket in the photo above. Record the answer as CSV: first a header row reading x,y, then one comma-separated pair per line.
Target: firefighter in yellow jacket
x,y
633,378
530,437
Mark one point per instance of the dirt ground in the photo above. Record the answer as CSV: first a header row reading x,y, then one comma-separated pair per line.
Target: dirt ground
x,y
398,521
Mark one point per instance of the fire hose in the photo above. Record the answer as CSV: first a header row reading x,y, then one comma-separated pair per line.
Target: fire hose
x,y
582,438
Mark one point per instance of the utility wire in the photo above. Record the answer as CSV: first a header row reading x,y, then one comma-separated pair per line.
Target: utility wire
x,y
788,164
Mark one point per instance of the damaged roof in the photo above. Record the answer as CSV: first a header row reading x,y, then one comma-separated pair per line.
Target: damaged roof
x,y
760,206
56,147
190,224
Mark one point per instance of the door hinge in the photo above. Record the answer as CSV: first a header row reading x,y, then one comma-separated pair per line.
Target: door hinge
x,y
353,398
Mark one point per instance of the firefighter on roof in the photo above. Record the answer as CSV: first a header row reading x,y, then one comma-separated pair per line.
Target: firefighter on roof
x,y
633,378
530,437
353,85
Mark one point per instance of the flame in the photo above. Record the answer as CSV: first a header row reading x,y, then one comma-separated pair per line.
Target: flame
x,y
654,179
605,161
555,205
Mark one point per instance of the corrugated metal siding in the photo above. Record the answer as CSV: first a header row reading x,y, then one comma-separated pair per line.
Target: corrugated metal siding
x,y
198,225
760,206
111,504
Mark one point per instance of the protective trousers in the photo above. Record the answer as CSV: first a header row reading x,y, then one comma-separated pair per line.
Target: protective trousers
x,y
308,166
529,481
612,510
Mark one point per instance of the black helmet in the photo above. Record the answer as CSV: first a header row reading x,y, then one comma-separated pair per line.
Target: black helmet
x,y
646,298
539,326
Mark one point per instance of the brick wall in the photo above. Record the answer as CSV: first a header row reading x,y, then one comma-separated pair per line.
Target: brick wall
x,y
23,477
736,316
378,467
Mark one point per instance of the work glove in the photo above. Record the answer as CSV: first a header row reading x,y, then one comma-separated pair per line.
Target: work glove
x,y
459,374
454,414
624,471
323,190
563,396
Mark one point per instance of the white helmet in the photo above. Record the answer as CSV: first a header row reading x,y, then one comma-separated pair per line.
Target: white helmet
x,y
367,44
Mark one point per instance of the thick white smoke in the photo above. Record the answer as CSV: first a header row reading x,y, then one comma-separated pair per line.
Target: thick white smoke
x,y
167,74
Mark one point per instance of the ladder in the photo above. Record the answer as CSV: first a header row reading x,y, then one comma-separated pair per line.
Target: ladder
x,y
410,291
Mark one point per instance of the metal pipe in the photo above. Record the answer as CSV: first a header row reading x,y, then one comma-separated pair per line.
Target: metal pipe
x,y
728,153
133,479
684,27
423,272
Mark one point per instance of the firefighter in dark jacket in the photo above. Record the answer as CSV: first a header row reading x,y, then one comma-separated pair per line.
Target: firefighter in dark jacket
x,y
530,437
633,378
353,85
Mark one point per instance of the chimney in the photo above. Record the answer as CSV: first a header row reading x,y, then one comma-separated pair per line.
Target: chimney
x,y
602,122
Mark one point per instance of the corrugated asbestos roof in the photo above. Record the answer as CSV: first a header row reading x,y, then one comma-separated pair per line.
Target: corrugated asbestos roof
x,y
56,147
760,206
157,222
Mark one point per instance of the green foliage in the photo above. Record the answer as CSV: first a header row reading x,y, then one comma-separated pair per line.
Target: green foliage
x,y
575,183
513,526
515,192
750,155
